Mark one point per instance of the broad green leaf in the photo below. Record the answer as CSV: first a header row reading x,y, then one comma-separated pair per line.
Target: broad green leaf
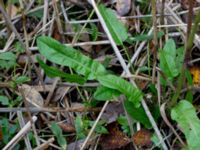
x,y
168,60
59,136
137,113
54,72
7,60
4,100
79,128
21,79
133,94
67,56
185,115
7,56
104,93
116,28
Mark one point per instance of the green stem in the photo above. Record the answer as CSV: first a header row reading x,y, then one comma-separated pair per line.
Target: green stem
x,y
187,53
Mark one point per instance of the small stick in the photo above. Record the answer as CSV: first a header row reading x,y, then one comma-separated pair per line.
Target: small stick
x,y
46,109
22,124
45,145
155,40
19,135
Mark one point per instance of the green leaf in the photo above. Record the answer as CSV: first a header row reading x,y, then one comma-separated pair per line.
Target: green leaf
x,y
4,100
144,37
99,127
38,14
133,94
79,128
116,28
21,79
167,60
7,56
185,115
122,120
137,113
59,136
94,31
67,56
19,48
104,93
54,72
7,60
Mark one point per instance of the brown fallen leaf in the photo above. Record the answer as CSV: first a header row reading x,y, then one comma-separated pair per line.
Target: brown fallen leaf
x,y
32,96
115,139
142,138
67,127
123,7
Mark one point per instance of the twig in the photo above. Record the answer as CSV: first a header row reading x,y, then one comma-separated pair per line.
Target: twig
x,y
22,124
49,109
189,27
45,145
45,13
155,40
51,144
125,68
19,135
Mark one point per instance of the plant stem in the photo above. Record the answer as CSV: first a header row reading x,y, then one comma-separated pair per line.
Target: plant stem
x,y
155,39
187,53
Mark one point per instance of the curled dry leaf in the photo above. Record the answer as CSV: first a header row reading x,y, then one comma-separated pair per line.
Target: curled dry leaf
x,y
142,138
115,139
123,7
66,127
32,96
